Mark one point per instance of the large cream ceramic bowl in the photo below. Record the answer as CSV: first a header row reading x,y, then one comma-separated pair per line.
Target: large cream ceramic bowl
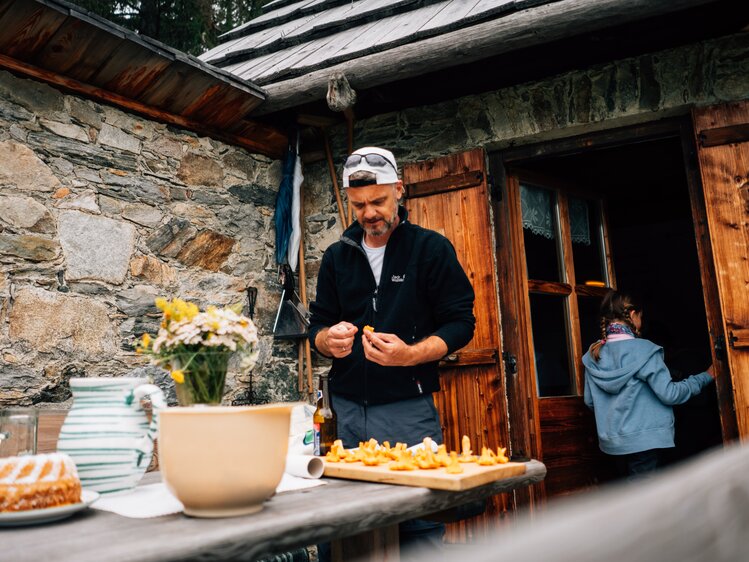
x,y
222,461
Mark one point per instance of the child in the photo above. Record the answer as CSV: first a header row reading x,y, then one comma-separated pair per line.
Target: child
x,y
629,388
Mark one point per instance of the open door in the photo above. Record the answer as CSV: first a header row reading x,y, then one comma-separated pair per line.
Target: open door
x,y
723,150
449,195
556,262
568,228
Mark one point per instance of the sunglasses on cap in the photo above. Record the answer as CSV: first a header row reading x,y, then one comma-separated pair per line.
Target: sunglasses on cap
x,y
376,160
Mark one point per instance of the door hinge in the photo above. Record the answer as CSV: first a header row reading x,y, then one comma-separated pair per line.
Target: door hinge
x,y
719,346
738,338
511,363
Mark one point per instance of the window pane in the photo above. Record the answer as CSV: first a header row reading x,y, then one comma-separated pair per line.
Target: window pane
x,y
550,345
540,233
590,328
587,241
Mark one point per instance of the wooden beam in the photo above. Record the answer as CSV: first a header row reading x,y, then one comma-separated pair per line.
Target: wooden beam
x,y
739,338
272,143
529,27
470,357
444,184
535,286
316,120
724,135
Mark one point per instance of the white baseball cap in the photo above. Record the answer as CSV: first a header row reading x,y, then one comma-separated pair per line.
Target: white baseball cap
x,y
378,165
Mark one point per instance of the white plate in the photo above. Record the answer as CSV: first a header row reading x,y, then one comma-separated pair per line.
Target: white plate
x,y
49,514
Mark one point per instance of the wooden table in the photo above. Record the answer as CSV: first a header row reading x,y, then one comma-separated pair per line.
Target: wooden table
x,y
339,510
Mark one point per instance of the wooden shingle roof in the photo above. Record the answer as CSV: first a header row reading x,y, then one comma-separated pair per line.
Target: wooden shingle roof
x,y
295,45
312,34
59,43
306,36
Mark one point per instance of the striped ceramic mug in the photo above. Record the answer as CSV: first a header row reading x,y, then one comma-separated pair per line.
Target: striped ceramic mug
x,y
106,432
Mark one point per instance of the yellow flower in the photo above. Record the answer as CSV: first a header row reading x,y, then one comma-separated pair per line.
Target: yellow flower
x,y
144,344
176,309
178,376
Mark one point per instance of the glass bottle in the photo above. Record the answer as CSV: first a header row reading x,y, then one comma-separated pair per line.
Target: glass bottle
x,y
324,421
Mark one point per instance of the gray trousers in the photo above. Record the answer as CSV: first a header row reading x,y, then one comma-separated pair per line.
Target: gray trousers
x,y
407,421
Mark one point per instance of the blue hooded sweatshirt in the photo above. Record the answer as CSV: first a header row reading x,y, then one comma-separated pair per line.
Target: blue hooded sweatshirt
x,y
631,393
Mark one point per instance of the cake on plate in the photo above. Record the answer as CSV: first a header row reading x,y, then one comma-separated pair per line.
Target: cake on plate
x,y
38,481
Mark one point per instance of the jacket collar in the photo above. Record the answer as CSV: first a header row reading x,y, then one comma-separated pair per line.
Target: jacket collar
x,y
354,233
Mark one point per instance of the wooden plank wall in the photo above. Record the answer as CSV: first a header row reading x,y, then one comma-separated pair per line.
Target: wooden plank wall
x,y
570,447
725,180
472,400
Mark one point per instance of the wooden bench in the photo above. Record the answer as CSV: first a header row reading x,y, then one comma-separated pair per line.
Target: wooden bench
x,y
50,422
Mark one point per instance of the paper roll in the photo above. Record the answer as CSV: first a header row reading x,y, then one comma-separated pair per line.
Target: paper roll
x,y
304,466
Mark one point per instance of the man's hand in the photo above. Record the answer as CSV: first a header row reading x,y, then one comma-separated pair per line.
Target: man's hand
x,y
391,351
386,349
337,340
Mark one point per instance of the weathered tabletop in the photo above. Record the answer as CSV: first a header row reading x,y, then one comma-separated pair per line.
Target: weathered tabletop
x,y
290,520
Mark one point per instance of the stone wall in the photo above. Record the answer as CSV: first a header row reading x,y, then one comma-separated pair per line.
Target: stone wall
x,y
102,211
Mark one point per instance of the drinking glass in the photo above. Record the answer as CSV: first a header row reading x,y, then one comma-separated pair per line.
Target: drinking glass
x,y
18,430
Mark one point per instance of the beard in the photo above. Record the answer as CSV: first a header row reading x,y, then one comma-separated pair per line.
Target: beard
x,y
384,227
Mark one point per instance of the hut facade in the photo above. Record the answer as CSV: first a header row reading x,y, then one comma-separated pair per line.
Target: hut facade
x,y
565,147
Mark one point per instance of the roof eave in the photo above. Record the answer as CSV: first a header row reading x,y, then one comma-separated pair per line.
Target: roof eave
x,y
58,43
531,27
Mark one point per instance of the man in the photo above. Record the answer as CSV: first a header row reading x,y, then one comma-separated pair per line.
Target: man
x,y
405,282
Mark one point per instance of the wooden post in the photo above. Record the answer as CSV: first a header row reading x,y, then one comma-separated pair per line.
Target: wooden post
x,y
300,368
334,179
303,294
349,114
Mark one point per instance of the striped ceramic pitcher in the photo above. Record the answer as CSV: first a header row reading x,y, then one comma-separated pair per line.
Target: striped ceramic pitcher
x,y
106,432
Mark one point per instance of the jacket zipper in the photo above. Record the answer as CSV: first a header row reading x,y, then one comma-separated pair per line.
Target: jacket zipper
x,y
353,243
374,323
417,381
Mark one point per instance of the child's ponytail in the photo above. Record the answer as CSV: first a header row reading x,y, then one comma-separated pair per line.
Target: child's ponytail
x,y
615,307
595,349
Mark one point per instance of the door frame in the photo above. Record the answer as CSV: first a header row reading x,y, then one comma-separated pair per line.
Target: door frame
x,y
522,408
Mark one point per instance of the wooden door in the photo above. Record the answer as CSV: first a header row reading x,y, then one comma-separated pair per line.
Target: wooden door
x,y
722,134
555,266
449,195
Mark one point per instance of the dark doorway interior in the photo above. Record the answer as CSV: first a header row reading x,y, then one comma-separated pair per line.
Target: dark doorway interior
x,y
655,255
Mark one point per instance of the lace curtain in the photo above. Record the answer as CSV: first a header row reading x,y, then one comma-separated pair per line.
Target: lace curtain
x,y
537,208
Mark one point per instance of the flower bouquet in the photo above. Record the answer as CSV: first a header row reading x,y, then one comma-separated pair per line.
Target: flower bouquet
x,y
196,347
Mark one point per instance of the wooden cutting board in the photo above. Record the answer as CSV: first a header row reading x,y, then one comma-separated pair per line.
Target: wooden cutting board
x,y
473,475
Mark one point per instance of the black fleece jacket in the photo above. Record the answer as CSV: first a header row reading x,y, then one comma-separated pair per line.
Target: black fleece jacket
x,y
423,291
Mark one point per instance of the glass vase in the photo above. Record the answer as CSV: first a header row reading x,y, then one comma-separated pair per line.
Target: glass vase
x,y
204,377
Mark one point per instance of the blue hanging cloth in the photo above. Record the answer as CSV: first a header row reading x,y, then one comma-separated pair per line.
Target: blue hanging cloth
x,y
284,200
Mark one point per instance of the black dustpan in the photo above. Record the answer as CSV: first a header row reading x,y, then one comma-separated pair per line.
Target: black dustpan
x,y
292,318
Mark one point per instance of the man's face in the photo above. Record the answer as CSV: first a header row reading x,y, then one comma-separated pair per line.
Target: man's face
x,y
376,206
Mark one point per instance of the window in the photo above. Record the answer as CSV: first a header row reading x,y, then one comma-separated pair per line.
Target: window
x,y
564,242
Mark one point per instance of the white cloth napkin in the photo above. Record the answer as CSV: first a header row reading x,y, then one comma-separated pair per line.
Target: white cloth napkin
x,y
152,500
155,500
289,483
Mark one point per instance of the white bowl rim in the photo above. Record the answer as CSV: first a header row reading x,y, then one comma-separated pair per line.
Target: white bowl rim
x,y
203,409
